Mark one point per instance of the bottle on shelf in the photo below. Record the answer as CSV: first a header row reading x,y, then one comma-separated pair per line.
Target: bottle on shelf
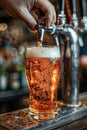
x,y
21,52
3,70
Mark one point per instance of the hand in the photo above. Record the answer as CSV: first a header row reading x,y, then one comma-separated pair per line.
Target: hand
x,y
26,11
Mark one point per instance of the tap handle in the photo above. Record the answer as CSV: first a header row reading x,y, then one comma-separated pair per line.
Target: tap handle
x,y
74,6
84,19
74,16
63,6
42,29
84,8
61,16
50,29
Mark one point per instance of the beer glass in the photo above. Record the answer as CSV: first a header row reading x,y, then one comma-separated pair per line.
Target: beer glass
x,y
43,69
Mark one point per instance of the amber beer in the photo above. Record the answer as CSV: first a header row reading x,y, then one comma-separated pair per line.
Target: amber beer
x,y
43,66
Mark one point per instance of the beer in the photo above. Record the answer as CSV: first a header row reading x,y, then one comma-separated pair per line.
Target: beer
x,y
43,66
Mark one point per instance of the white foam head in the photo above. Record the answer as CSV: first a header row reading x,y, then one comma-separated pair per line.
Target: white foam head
x,y
46,52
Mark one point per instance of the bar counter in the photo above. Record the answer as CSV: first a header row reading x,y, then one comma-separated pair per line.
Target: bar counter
x,y
68,119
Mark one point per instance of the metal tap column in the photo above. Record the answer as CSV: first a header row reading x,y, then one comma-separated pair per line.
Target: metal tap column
x,y
70,85
71,70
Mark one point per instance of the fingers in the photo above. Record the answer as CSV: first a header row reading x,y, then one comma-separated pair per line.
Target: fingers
x,y
48,9
50,16
18,9
31,20
22,9
27,17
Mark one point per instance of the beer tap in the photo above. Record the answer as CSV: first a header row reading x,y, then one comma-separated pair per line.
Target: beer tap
x,y
84,19
70,62
75,22
70,88
41,30
74,16
83,28
71,67
61,18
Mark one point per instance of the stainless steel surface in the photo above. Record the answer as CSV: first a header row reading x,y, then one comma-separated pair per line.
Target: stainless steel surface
x,y
19,120
71,67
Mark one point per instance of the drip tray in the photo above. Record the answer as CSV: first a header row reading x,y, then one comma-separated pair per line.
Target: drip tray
x,y
19,120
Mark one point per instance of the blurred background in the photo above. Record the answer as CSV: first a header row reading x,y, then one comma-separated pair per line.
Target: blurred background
x,y
14,36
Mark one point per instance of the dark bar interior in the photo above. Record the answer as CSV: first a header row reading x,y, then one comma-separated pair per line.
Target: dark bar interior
x,y
14,93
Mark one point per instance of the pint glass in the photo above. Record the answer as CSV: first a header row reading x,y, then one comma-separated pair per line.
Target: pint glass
x,y
43,69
